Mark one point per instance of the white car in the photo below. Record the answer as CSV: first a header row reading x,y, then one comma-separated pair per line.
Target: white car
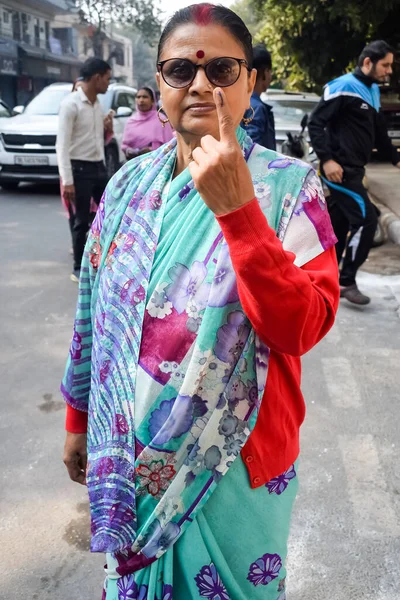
x,y
289,108
28,140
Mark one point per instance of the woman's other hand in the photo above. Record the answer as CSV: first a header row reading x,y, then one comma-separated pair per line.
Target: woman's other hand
x,y
219,170
75,456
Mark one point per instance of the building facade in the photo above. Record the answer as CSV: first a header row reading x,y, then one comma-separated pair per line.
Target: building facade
x,y
31,57
78,38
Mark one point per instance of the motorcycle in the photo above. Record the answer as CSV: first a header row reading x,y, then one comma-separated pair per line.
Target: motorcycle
x,y
297,145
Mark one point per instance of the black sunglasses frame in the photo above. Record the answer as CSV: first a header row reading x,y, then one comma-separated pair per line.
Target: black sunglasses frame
x,y
240,61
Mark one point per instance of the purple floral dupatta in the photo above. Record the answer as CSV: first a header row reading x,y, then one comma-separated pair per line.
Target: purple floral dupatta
x,y
163,357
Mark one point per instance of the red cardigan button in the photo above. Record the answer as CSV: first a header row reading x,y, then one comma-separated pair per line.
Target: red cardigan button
x,y
249,459
256,480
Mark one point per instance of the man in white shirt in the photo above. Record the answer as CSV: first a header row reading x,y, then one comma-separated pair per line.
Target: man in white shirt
x,y
80,151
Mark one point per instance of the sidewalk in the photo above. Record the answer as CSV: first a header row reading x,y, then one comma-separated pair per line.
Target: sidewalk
x,y
384,187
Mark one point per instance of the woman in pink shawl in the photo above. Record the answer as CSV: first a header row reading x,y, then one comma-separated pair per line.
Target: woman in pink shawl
x,y
144,131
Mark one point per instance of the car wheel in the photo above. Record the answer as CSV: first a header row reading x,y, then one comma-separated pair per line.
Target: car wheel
x,y
9,186
112,161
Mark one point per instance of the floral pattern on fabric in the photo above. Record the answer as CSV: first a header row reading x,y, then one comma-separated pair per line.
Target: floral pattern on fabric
x,y
210,585
129,590
265,569
170,370
278,485
166,593
154,475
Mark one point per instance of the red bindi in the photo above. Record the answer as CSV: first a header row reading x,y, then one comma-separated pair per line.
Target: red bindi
x,y
200,54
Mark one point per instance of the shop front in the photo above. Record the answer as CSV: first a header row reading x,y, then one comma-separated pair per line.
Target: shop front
x,y
9,69
39,71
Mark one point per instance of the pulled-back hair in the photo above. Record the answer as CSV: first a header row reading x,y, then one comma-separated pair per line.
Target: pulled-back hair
x,y
209,14
375,51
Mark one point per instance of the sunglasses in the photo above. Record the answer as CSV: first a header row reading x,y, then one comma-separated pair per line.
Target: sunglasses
x,y
222,72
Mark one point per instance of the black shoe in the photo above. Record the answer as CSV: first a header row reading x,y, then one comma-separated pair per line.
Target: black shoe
x,y
75,275
353,295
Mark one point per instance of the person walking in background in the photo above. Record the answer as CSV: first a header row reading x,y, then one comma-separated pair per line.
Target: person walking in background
x,y
344,128
144,131
209,270
261,128
80,151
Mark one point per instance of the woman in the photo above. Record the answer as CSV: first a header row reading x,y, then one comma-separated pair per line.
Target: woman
x,y
144,131
209,271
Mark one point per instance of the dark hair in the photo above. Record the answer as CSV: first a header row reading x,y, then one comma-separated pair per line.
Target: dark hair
x,y
207,14
94,66
261,59
375,51
149,91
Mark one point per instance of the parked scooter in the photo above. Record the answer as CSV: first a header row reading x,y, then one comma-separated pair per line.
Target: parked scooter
x,y
297,145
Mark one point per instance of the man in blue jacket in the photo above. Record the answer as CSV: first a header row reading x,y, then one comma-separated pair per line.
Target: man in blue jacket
x,y
262,127
344,128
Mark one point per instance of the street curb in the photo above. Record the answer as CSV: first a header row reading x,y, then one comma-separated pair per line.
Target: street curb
x,y
390,222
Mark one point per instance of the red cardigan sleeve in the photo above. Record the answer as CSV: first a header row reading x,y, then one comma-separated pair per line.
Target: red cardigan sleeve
x,y
290,308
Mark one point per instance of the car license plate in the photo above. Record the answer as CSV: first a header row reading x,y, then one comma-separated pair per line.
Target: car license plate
x,y
31,160
394,134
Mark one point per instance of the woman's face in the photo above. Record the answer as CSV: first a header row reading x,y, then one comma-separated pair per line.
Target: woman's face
x,y
144,101
180,104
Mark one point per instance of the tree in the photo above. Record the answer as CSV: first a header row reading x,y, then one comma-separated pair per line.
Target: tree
x,y
143,15
314,41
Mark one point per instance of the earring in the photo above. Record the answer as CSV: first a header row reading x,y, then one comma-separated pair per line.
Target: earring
x,y
248,120
162,121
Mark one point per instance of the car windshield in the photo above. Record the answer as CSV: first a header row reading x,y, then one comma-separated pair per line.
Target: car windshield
x,y
291,111
47,102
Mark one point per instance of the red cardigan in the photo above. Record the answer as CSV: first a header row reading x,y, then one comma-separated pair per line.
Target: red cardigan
x,y
291,309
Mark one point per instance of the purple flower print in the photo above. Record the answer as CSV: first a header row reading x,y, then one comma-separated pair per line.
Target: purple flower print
x,y
265,569
160,538
224,289
127,588
105,466
138,296
171,419
185,191
125,290
76,346
166,593
155,200
188,285
121,424
210,585
232,338
121,513
280,163
279,484
104,371
143,592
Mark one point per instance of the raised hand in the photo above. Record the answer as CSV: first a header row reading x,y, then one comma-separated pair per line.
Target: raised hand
x,y
219,170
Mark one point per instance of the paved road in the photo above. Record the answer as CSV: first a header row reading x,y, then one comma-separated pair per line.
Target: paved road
x,y
346,533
